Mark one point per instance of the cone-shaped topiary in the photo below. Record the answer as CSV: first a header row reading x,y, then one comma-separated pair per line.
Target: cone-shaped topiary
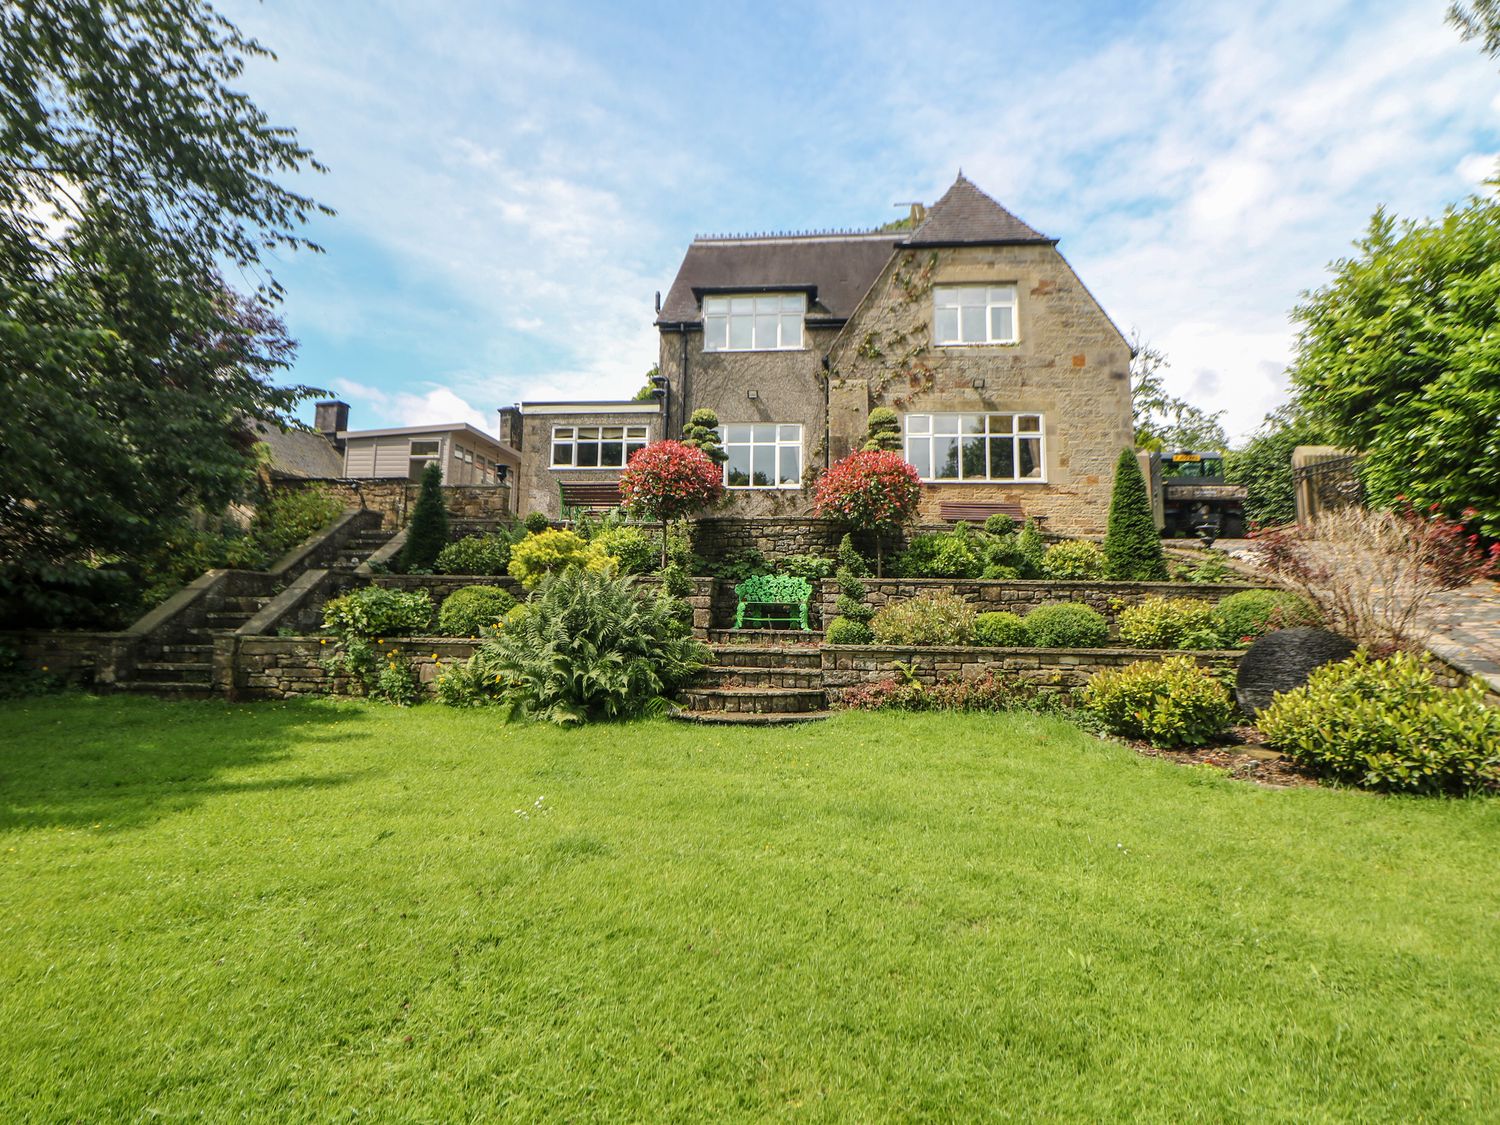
x,y
1132,545
702,432
427,533
884,430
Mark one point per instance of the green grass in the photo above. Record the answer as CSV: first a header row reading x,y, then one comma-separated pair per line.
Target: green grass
x,y
335,911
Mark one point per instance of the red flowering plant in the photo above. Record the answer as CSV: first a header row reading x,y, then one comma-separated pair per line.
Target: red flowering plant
x,y
873,490
668,479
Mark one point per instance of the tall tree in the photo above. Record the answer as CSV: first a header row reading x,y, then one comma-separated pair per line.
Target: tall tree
x,y
1478,19
130,173
1163,421
1264,465
1399,356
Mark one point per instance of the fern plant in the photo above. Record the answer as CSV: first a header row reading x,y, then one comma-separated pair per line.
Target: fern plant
x,y
588,647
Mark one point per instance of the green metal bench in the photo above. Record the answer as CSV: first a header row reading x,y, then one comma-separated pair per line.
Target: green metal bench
x,y
773,599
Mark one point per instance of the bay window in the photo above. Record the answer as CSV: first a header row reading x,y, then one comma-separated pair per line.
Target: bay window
x,y
759,322
975,447
762,455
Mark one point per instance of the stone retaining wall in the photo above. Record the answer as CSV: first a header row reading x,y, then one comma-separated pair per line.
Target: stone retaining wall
x,y
1018,596
394,498
1054,669
286,667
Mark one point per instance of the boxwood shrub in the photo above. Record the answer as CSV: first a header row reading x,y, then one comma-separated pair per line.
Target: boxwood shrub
x,y
474,610
1067,625
846,631
1001,630
1386,724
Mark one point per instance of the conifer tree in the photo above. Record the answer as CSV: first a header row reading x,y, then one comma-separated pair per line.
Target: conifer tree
x,y
702,432
427,533
883,431
1132,545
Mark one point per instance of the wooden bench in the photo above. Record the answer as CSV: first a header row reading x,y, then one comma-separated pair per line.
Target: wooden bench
x,y
773,599
588,496
977,511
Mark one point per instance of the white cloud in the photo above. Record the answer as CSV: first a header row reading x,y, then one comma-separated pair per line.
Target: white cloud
x,y
1479,167
373,408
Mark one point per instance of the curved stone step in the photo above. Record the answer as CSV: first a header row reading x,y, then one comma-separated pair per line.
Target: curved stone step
x,y
767,656
748,719
740,676
754,700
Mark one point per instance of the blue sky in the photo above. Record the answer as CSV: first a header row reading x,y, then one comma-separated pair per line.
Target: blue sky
x,y
515,181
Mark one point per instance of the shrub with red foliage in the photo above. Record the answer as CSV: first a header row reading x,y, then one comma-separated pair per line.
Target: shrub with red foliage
x,y
668,479
873,490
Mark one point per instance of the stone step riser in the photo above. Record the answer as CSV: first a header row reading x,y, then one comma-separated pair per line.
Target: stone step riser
x,y
762,702
155,673
777,661
168,690
806,679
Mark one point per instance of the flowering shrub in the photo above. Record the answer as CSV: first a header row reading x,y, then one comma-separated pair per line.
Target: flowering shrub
x,y
1369,574
669,479
874,490
552,552
362,620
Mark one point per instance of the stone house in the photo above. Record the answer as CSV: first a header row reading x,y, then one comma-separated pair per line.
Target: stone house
x,y
1011,383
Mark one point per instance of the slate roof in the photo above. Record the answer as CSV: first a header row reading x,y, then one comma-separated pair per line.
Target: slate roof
x,y
838,269
965,215
300,454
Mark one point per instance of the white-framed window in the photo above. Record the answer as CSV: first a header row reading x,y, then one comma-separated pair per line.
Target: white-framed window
x,y
595,447
977,447
753,323
974,314
762,455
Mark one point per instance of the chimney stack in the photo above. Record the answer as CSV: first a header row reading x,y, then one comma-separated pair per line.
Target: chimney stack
x,y
510,426
330,419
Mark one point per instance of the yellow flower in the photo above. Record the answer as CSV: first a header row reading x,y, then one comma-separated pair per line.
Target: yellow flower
x,y
379,641
324,641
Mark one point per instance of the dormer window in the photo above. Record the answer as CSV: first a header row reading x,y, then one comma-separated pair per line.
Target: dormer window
x,y
762,322
973,314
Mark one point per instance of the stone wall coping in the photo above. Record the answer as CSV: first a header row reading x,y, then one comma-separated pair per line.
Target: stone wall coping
x,y
970,650
1060,584
298,557
422,641
200,587
307,585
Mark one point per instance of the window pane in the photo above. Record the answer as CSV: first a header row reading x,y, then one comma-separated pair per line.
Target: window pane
x,y
614,433
919,453
919,423
590,433
1001,423
945,423
738,305
1002,295
794,302
790,457
1028,422
789,433
1031,456
739,331
719,305
971,423
1001,323
765,331
562,453
945,458
588,454
972,295
763,471
715,333
791,330
946,325
424,448
635,432
973,458
736,433
763,433
739,466
612,454
1002,459
972,324
945,295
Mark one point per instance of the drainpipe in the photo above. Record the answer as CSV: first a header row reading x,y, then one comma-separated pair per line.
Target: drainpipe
x,y
827,413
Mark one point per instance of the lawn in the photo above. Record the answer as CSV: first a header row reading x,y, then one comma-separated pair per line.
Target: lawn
x,y
326,911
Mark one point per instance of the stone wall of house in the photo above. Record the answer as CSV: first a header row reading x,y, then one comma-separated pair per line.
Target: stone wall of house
x,y
479,504
1020,597
1070,364
789,387
538,481
1053,669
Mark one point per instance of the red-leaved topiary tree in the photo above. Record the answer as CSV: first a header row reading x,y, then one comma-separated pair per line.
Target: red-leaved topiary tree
x,y
874,490
669,479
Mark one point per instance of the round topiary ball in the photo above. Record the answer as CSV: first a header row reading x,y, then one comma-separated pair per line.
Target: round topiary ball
x,y
1283,660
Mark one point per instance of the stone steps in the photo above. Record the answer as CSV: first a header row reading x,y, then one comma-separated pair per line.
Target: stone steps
x,y
763,637
743,719
174,672
767,656
739,676
173,689
754,700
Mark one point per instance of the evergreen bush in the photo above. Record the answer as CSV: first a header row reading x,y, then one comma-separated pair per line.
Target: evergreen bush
x,y
474,554
1001,630
552,552
473,610
1242,617
933,617
847,631
1067,625
1170,703
883,431
1074,560
1132,544
427,531
1159,622
536,522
